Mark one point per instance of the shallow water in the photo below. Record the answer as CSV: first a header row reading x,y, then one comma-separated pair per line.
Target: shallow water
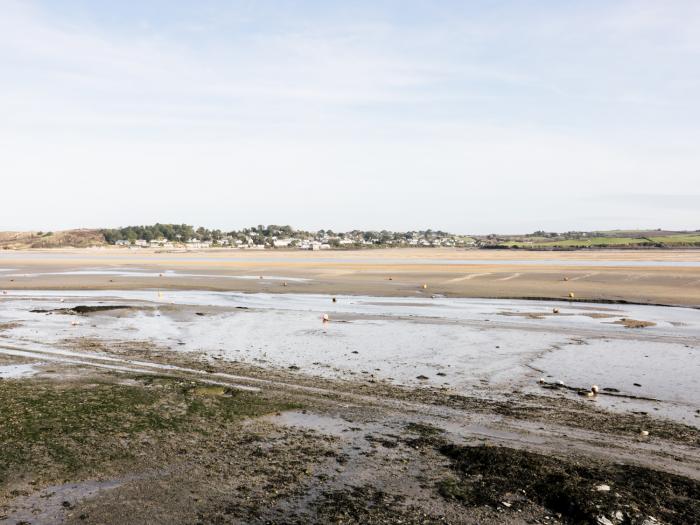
x,y
17,371
138,272
466,345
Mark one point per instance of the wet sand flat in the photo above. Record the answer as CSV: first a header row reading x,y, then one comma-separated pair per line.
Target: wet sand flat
x,y
141,387
641,276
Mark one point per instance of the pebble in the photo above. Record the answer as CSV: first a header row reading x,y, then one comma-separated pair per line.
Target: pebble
x,y
603,488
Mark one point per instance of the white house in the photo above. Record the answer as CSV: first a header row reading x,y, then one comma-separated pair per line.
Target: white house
x,y
282,243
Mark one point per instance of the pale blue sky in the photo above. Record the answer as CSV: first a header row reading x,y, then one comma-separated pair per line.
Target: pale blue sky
x,y
466,116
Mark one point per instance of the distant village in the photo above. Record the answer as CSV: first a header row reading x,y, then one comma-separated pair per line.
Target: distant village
x,y
276,237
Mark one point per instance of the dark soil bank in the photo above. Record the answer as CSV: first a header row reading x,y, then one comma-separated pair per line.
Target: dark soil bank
x,y
581,493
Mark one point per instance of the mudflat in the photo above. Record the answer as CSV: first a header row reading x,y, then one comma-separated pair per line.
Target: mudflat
x,y
640,276
382,386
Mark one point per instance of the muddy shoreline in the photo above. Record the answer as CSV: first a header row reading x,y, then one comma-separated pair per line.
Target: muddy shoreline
x,y
172,407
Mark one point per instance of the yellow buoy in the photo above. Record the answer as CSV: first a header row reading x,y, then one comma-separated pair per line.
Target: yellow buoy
x,y
571,295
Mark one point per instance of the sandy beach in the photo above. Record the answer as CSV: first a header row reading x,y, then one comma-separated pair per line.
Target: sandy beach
x,y
639,276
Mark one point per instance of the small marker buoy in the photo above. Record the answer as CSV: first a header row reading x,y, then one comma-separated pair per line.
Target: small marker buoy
x,y
425,286
594,389
571,295
560,383
555,310
326,318
541,381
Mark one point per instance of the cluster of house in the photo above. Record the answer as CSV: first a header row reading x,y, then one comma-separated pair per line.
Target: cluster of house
x,y
318,242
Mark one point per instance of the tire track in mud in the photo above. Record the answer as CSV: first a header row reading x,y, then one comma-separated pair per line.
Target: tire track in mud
x,y
549,437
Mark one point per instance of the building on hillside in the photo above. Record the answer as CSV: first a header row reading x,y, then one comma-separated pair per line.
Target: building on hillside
x,y
282,243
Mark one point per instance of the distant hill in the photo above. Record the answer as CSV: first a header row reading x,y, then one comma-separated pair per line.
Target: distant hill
x,y
618,239
59,239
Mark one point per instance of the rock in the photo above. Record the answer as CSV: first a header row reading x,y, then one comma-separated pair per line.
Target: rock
x,y
602,520
422,377
506,504
603,488
619,516
644,433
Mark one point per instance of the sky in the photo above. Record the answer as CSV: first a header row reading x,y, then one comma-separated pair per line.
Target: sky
x,y
471,117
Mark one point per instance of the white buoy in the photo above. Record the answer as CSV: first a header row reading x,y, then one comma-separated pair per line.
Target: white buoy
x,y
541,380
555,310
326,318
594,389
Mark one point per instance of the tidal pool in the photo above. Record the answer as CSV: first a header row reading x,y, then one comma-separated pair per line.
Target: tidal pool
x,y
469,346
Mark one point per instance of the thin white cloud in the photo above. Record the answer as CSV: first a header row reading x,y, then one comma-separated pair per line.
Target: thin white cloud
x,y
506,119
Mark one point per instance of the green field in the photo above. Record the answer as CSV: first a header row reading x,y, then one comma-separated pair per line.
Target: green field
x,y
603,242
678,239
